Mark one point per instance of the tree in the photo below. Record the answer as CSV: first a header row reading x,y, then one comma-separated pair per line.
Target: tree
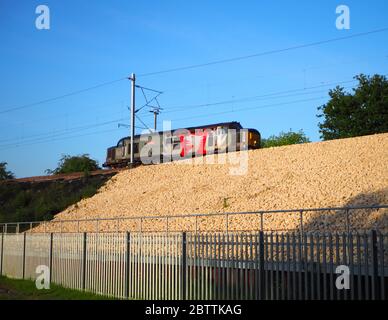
x,y
80,163
363,112
4,174
284,139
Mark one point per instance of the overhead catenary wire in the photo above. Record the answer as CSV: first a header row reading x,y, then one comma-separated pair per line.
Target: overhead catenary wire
x,y
56,135
201,65
127,126
148,102
252,108
96,115
57,139
266,96
171,108
273,95
192,117
62,132
10,109
265,53
147,128
188,118
267,75
44,136
40,136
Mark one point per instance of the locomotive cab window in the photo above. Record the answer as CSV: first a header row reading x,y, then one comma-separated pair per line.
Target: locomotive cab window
x,y
120,143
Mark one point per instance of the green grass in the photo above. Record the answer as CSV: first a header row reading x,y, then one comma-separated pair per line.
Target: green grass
x,y
14,289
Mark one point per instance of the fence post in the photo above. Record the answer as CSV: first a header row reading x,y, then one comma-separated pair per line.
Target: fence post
x,y
301,221
51,257
127,263
24,255
84,263
347,221
261,221
261,266
375,289
2,252
183,271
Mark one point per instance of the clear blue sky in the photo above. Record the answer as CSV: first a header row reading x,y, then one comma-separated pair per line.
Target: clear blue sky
x,y
92,42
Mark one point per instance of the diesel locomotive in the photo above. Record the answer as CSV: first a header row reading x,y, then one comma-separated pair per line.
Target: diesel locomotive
x,y
184,143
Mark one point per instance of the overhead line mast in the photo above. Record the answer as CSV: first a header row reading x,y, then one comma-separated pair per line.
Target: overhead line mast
x,y
132,133
155,109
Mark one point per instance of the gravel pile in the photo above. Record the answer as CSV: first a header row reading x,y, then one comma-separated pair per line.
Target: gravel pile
x,y
345,172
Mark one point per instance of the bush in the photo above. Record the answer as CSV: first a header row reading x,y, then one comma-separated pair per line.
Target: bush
x,y
82,163
284,139
4,174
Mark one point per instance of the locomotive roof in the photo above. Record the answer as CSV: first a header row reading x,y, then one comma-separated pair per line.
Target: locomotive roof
x,y
232,125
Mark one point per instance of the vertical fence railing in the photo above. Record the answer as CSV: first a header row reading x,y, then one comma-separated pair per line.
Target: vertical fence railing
x,y
286,266
36,253
1,252
12,262
236,265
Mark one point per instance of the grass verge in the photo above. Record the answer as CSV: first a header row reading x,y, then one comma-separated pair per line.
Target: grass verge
x,y
15,289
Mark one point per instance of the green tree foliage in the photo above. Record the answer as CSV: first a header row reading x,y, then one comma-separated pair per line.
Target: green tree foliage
x,y
42,200
284,139
69,164
362,112
4,173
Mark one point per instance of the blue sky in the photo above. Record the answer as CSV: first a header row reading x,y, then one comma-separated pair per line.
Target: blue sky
x,y
99,41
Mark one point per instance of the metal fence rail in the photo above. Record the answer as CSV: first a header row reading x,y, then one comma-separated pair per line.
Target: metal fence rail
x,y
236,265
333,219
